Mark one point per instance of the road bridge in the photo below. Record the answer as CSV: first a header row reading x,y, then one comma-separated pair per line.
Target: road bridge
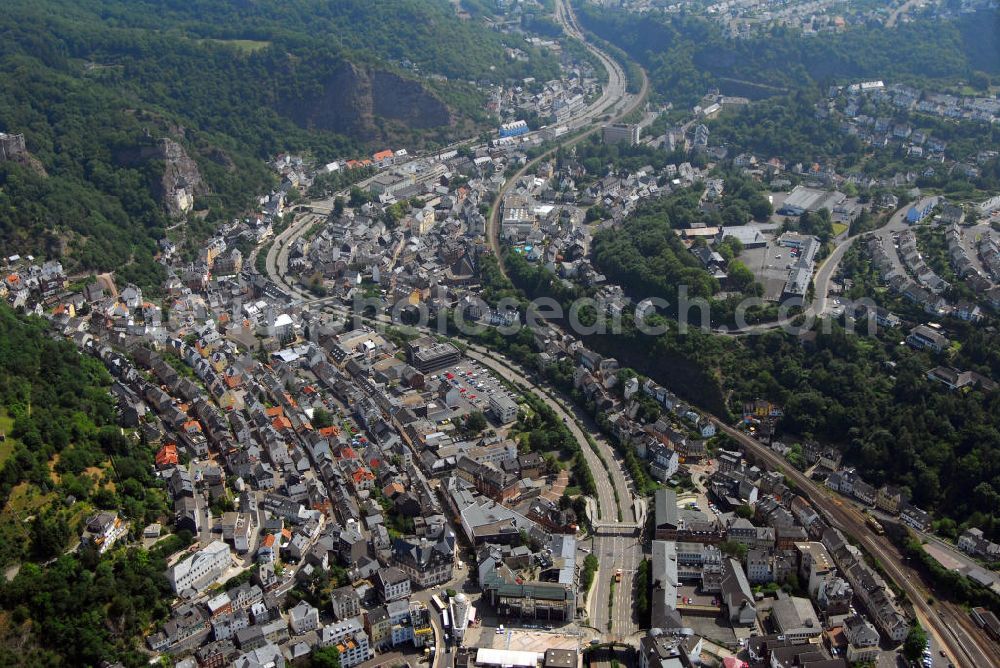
x,y
616,529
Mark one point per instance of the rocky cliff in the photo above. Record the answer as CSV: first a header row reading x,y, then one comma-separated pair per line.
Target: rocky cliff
x,y
356,101
181,179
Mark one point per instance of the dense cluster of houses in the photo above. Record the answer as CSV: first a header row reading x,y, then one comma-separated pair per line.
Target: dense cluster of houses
x,y
972,542
785,541
964,266
42,285
536,204
871,111
552,102
927,292
888,499
988,250
355,493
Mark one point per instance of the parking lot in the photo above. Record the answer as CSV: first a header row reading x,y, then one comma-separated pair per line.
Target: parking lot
x,y
770,265
475,384
689,594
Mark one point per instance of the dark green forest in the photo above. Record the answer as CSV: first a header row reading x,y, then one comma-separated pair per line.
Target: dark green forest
x,y
872,398
786,127
78,609
685,55
647,258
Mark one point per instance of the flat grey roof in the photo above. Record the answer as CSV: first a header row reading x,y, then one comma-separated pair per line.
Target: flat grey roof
x,y
666,507
811,199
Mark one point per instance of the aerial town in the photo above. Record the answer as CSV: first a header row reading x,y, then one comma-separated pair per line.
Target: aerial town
x,y
369,447
382,491
741,19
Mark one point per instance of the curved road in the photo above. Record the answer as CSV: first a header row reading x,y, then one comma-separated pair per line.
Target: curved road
x,y
608,503
824,275
610,508
614,496
610,606
611,99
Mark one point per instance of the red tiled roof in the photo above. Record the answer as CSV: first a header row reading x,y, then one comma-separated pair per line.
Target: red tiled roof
x,y
167,455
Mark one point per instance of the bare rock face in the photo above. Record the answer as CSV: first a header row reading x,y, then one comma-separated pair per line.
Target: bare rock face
x,y
181,179
356,101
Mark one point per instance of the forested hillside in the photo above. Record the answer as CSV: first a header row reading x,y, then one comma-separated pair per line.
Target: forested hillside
x,y
647,258
91,84
62,454
61,459
685,55
892,423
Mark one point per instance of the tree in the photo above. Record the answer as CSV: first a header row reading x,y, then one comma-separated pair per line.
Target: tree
x,y
643,584
819,224
325,657
473,424
915,643
733,549
359,197
322,418
744,511
947,527
590,566
760,208
596,212
49,535
583,476
980,80
740,275
649,410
